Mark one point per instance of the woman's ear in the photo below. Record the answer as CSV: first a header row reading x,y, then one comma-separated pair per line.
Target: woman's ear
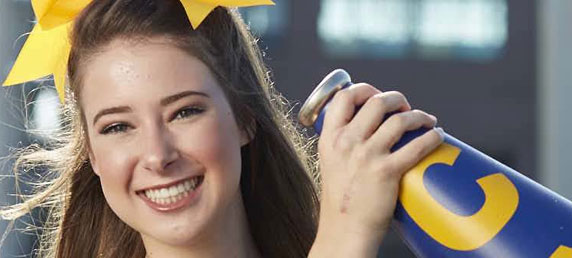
x,y
247,133
93,163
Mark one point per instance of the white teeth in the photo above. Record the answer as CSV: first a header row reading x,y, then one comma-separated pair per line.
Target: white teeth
x,y
174,193
163,193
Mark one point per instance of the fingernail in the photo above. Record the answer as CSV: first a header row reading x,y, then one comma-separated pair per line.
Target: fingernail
x,y
440,131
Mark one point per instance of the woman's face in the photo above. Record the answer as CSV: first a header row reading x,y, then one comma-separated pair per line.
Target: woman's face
x,y
163,140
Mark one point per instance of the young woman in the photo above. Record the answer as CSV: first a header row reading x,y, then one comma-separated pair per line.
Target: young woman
x,y
178,146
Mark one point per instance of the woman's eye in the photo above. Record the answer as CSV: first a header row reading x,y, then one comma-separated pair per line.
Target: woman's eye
x,y
187,112
115,128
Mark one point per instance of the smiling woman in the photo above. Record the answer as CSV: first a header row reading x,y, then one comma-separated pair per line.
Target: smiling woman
x,y
157,160
170,151
177,145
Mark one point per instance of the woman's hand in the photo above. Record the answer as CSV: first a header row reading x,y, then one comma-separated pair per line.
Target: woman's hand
x,y
360,175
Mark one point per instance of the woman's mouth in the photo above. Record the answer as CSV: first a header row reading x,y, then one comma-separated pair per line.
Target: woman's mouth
x,y
172,197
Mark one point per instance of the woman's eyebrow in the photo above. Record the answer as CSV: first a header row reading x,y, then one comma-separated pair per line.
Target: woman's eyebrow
x,y
164,102
170,99
113,110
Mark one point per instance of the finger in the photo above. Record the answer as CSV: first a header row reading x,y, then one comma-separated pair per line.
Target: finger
x,y
417,149
396,125
343,105
372,113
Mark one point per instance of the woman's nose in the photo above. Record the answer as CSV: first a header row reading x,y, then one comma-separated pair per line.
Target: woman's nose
x,y
159,151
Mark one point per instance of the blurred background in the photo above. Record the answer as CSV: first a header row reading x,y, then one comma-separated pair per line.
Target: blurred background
x,y
495,72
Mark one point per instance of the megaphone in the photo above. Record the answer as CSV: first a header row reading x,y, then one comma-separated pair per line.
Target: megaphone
x,y
459,202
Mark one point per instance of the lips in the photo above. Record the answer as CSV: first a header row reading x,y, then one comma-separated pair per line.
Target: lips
x,y
172,196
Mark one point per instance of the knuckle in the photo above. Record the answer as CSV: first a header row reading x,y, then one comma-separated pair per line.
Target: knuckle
x,y
390,138
432,119
421,115
377,100
399,120
387,171
393,139
342,96
344,142
424,115
343,145
366,85
385,166
362,154
398,95
418,112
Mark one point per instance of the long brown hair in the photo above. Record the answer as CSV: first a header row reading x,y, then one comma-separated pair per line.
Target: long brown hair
x,y
276,184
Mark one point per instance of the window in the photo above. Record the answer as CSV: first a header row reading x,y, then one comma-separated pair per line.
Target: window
x,y
465,29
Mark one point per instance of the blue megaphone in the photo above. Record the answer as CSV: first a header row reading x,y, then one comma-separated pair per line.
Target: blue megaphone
x,y
459,202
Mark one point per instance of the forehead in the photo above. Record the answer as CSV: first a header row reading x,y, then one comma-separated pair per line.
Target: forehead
x,y
127,72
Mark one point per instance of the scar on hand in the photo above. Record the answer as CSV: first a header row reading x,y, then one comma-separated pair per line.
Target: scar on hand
x,y
345,203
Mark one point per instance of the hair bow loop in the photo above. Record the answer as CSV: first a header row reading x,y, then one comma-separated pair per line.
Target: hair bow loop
x,y
198,10
53,13
47,48
44,53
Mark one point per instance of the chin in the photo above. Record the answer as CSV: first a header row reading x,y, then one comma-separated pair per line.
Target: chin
x,y
177,235
186,228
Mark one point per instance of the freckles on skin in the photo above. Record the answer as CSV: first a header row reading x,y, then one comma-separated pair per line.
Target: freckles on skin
x,y
125,72
122,72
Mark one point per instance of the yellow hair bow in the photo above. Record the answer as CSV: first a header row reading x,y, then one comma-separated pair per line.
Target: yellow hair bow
x,y
47,48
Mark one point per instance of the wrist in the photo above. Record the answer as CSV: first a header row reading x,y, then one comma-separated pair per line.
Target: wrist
x,y
344,240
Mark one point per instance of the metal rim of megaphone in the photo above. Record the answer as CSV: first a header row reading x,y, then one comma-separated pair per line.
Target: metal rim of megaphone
x,y
332,83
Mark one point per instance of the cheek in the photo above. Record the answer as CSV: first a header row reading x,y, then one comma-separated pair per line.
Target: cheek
x,y
216,145
114,166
